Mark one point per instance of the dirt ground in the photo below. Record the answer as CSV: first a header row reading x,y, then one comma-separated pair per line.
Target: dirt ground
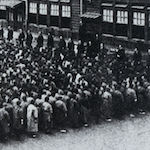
x,y
128,134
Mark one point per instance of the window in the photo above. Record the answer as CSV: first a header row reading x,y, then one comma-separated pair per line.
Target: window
x,y
33,8
43,9
60,13
54,10
19,18
122,17
2,7
2,12
139,18
66,11
11,16
107,15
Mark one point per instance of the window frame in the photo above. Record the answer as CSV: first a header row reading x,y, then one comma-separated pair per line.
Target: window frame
x,y
66,13
123,18
137,18
55,12
108,16
33,10
43,10
63,15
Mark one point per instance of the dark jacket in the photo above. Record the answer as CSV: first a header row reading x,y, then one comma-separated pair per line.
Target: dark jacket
x,y
50,41
40,41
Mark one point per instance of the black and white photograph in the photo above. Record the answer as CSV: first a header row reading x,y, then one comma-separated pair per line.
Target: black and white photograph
x,y
74,74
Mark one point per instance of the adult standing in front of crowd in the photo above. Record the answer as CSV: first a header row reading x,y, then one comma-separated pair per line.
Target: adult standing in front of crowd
x,y
62,45
137,58
29,39
70,49
10,34
40,40
21,38
96,45
50,41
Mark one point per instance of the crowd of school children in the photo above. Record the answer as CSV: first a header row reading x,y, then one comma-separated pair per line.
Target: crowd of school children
x,y
54,86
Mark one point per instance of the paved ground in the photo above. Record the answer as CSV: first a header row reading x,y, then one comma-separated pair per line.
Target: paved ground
x,y
129,134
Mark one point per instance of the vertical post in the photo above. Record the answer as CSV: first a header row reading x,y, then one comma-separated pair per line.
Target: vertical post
x,y
26,13
48,13
37,15
130,20
81,7
146,24
101,18
60,13
114,18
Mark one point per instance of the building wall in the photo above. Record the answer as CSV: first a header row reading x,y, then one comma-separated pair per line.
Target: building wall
x,y
75,20
117,30
71,23
13,11
92,6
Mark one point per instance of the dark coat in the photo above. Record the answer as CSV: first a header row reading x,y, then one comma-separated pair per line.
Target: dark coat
x,y
117,100
4,122
73,112
62,45
50,41
80,48
17,117
29,39
1,33
71,53
40,41
21,37
10,34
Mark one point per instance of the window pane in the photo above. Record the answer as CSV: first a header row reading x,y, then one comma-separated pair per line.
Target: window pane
x,y
33,8
122,17
139,19
54,10
126,14
43,9
135,15
2,7
107,15
66,11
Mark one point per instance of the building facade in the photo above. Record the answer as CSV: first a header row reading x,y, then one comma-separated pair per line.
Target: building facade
x,y
91,17
12,12
61,15
122,21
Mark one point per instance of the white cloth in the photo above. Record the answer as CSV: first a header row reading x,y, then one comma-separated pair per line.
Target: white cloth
x,y
32,118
